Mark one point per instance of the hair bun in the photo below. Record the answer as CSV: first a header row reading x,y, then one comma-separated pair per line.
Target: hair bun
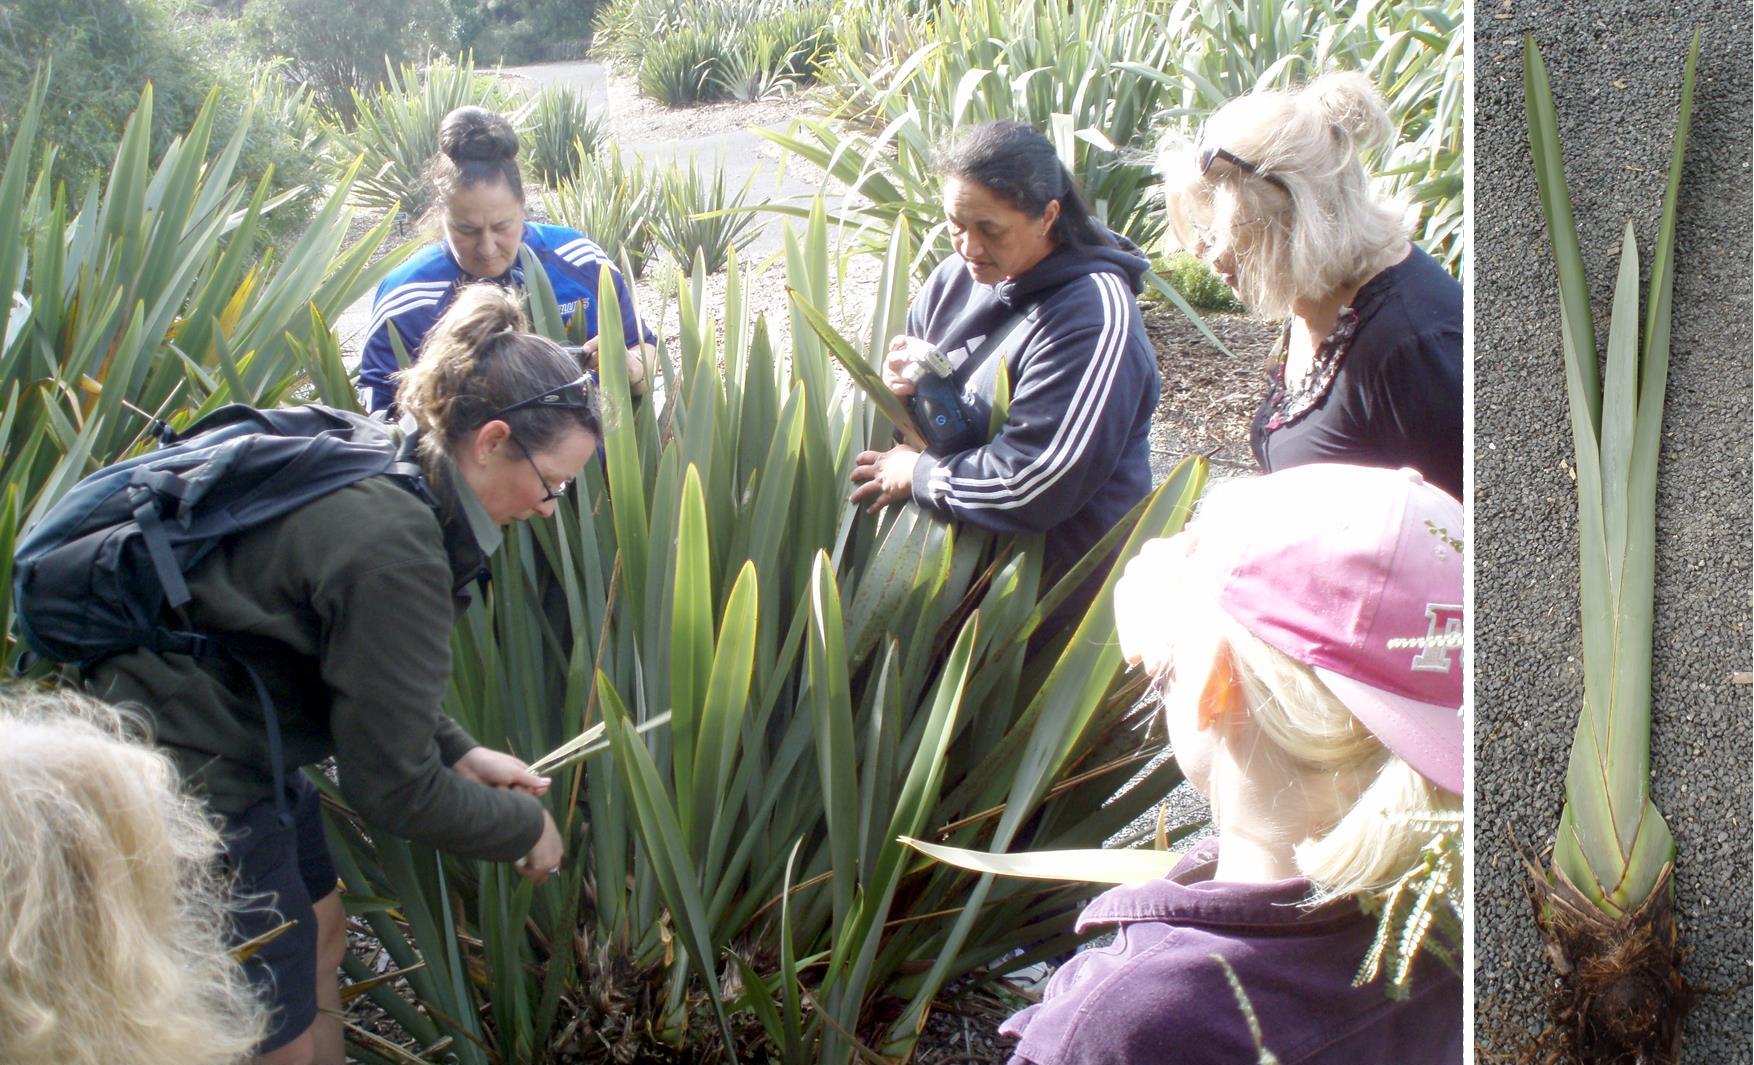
x,y
475,134
481,312
1350,103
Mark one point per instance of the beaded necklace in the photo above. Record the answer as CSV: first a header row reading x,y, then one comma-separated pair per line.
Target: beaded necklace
x,y
1287,405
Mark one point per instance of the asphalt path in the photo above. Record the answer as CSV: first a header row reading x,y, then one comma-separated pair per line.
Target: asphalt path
x,y
746,159
1616,70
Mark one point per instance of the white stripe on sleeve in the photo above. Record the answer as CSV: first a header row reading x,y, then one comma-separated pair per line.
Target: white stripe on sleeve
x,y
1073,434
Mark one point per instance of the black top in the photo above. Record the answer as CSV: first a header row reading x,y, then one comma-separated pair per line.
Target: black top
x,y
1386,386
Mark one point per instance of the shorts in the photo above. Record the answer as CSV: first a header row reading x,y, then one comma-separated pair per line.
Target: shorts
x,y
279,873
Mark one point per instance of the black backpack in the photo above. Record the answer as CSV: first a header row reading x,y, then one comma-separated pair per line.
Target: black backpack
x,y
94,577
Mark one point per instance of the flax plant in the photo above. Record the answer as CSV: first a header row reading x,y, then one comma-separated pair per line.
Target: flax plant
x,y
1606,903
734,888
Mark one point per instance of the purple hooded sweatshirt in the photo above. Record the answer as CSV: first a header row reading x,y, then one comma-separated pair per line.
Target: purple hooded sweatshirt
x,y
1155,996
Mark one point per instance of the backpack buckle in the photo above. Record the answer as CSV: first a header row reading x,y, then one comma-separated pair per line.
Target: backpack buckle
x,y
193,644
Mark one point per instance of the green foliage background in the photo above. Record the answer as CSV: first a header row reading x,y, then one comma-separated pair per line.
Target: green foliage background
x,y
102,51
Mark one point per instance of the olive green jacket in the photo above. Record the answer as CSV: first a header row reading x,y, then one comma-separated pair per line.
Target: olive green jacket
x,y
358,590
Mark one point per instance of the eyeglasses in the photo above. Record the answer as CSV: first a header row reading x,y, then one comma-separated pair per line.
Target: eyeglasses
x,y
550,493
574,395
1208,153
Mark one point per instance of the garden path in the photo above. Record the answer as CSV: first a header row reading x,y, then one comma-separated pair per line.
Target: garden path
x,y
714,134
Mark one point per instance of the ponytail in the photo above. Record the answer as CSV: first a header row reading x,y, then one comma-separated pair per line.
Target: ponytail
x,y
481,358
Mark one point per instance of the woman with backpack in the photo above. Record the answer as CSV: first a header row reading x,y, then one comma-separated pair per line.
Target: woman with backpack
x,y
482,229
342,609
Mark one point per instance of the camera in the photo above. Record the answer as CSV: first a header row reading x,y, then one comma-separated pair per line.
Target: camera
x,y
937,404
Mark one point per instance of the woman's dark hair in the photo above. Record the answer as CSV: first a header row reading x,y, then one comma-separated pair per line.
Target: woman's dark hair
x,y
1014,162
476,147
479,359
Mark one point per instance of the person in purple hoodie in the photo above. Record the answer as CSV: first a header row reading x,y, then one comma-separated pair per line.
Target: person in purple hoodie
x,y
1306,634
1039,286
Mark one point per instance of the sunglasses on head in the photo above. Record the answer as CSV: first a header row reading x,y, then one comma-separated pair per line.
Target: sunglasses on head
x,y
574,395
1209,153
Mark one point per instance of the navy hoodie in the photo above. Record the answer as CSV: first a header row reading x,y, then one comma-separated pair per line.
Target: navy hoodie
x,y
1073,455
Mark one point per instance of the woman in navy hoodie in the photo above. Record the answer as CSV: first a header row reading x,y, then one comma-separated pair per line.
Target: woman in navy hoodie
x,y
1040,284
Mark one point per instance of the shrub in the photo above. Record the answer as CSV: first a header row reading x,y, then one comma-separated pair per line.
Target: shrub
x,y
287,133
773,56
753,67
611,203
340,48
561,134
396,129
626,29
1197,282
1077,77
681,68
686,53
696,219
808,33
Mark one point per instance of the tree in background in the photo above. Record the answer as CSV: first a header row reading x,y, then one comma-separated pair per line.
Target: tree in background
x,y
100,53
336,46
524,31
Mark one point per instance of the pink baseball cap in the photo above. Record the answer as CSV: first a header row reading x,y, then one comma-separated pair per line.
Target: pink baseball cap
x,y
1357,573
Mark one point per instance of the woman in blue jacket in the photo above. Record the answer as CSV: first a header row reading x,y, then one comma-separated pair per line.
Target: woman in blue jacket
x,y
482,226
1038,283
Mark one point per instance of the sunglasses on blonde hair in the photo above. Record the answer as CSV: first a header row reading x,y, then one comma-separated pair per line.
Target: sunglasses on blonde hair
x,y
1209,153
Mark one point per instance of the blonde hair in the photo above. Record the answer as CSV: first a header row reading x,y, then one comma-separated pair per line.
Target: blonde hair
x,y
481,358
1381,835
1323,229
112,918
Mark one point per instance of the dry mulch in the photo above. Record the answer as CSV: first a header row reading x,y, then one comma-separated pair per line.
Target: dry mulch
x,y
1208,397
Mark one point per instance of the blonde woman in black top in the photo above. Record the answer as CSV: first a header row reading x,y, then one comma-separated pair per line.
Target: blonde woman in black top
x,y
1272,194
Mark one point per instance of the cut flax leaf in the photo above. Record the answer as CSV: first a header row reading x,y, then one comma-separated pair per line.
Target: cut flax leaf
x,y
586,744
1130,866
1606,904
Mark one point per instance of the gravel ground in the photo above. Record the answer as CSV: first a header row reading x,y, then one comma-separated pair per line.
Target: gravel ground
x,y
1616,69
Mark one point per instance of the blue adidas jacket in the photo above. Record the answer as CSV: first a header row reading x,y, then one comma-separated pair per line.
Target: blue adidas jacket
x,y
1074,453
414,295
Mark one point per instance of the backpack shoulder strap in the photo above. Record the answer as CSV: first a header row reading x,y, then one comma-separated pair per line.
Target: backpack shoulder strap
x,y
993,343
